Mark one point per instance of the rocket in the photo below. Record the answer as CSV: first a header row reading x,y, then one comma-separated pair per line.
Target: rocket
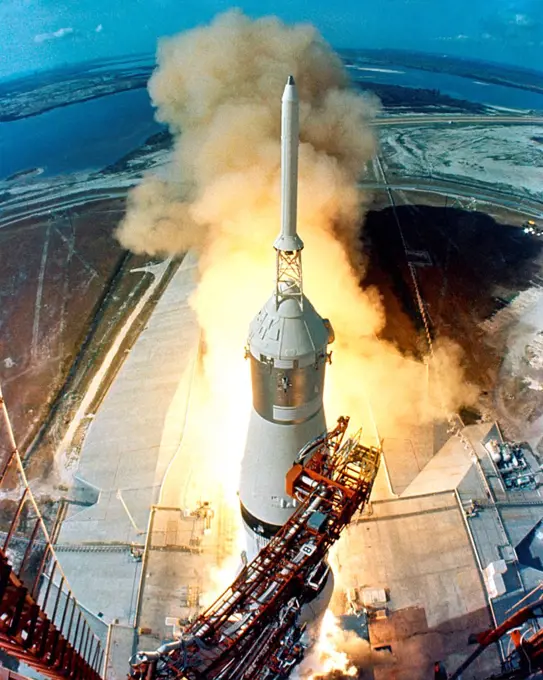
x,y
288,352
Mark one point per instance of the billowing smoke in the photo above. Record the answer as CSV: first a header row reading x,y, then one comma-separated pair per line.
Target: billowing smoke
x,y
218,88
339,654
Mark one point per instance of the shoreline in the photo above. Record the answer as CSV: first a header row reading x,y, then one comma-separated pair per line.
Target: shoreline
x,y
85,85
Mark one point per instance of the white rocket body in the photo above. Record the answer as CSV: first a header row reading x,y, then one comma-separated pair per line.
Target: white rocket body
x,y
287,349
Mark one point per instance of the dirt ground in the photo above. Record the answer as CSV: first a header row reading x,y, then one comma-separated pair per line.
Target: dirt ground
x,y
65,283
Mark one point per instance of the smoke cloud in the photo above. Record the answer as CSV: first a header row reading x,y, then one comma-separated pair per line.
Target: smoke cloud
x,y
339,654
219,88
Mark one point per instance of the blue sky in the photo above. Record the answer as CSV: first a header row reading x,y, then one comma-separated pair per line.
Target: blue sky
x,y
40,34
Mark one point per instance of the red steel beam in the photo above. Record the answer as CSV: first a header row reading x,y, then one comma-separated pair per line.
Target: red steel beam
x,y
246,626
27,633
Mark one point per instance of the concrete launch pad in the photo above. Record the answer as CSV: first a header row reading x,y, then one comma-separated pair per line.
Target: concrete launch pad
x,y
418,550
137,559
132,439
428,550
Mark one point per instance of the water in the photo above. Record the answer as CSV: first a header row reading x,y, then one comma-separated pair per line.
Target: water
x,y
454,86
93,134
85,136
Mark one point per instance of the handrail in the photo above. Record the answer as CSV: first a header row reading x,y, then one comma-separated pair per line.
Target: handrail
x,y
26,562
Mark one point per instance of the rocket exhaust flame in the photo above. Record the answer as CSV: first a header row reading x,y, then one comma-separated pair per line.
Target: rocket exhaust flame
x,y
326,657
253,630
338,653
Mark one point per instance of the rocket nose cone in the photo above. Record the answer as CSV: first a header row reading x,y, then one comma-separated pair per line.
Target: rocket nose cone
x,y
290,92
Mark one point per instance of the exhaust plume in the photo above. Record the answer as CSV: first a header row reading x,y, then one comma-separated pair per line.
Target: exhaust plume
x,y
338,654
218,88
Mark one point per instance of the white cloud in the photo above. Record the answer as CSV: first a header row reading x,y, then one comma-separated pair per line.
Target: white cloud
x,y
61,33
460,37
522,20
99,28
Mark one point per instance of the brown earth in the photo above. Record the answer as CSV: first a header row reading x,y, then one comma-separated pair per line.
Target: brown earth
x,y
64,282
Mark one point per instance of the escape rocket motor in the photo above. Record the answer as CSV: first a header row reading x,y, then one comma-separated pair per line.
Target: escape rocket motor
x,y
287,349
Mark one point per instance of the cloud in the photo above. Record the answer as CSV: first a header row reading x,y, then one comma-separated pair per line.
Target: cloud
x,y
522,20
99,28
520,26
54,35
461,37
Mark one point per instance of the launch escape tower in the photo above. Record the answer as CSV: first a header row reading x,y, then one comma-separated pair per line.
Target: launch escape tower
x,y
287,349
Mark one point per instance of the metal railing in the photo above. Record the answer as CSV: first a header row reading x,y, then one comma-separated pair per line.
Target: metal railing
x,y
41,621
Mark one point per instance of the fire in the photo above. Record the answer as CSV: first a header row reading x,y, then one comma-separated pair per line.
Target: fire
x,y
326,656
220,197
219,578
211,452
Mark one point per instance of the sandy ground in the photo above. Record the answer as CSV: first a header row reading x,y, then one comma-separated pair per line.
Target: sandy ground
x,y
501,156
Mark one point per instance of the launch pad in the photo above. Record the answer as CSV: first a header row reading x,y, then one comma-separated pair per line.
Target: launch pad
x,y
416,533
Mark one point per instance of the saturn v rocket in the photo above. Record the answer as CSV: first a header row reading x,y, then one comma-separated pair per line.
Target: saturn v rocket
x,y
287,349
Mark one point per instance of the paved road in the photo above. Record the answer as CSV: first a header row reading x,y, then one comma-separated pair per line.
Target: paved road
x,y
521,204
452,119
38,204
